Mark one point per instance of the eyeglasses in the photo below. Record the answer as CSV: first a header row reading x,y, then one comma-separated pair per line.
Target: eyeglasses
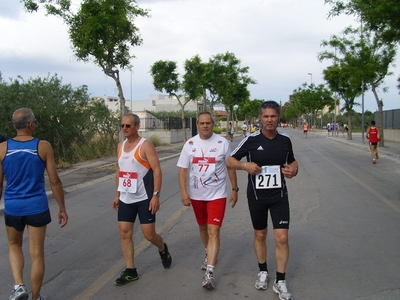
x,y
126,125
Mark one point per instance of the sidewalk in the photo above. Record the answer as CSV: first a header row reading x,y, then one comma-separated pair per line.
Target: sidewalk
x,y
98,170
391,149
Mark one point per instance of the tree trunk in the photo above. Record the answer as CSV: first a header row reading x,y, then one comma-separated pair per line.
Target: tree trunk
x,y
380,112
115,75
183,123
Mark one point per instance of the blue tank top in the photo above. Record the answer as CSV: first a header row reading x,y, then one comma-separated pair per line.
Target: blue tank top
x,y
23,168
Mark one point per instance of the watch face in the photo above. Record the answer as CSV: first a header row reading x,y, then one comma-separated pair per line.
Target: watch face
x,y
157,193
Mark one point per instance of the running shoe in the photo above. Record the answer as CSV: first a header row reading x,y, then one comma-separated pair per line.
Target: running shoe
x,y
374,161
262,281
19,293
208,281
126,277
282,291
204,263
166,258
41,297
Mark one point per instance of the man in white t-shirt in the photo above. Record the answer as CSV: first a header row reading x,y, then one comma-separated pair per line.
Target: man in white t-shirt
x,y
204,156
244,128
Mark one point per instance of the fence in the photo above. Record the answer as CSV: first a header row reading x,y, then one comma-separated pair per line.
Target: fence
x,y
169,123
391,119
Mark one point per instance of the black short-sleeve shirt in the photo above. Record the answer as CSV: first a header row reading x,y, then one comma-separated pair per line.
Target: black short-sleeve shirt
x,y
265,152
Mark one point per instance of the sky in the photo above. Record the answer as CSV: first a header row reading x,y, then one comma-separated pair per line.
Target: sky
x,y
279,40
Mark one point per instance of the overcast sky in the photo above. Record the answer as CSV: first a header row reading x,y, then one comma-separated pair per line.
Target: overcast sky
x,y
279,41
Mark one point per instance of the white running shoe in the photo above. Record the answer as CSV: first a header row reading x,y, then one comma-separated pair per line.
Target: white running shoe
x,y
19,293
208,281
262,281
281,289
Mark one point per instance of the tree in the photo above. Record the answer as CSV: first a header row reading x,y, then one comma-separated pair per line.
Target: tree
x,y
166,79
311,98
102,31
62,113
380,16
228,80
368,57
249,110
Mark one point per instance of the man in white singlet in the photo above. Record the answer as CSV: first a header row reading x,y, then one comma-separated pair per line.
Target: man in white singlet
x,y
138,185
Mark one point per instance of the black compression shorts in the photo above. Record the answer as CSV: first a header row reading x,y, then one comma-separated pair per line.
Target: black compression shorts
x,y
279,211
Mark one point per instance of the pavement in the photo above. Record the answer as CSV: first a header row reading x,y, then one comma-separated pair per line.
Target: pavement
x,y
391,149
98,170
94,171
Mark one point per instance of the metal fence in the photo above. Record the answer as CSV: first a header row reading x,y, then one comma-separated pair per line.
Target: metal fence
x,y
391,119
169,123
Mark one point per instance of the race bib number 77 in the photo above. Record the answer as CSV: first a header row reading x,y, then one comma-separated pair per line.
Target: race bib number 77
x,y
269,178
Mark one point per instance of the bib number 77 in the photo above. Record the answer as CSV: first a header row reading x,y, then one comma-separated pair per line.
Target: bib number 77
x,y
269,178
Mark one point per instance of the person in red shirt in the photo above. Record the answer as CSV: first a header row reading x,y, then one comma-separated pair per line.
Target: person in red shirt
x,y
373,136
305,129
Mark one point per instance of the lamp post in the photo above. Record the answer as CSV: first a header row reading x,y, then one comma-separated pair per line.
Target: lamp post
x,y
131,90
310,84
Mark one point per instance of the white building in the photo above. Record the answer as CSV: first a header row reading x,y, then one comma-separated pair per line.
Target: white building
x,y
157,102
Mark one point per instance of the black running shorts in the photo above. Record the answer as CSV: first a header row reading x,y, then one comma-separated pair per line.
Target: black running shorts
x,y
19,223
279,211
128,212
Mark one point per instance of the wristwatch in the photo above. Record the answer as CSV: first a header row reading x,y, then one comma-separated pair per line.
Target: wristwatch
x,y
235,189
156,193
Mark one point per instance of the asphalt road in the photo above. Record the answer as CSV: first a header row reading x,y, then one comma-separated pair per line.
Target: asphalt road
x,y
344,237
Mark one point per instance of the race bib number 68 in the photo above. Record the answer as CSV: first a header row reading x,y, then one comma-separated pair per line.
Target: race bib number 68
x,y
127,182
269,178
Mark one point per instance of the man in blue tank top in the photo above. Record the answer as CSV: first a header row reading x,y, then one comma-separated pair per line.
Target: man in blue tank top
x,y
23,161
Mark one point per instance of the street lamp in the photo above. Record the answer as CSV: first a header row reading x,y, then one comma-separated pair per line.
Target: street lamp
x,y
311,76
131,90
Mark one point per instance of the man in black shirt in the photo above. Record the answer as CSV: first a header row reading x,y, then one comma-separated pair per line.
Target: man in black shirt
x,y
270,159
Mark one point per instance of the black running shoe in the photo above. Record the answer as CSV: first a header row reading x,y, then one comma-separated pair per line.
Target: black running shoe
x,y
126,277
166,258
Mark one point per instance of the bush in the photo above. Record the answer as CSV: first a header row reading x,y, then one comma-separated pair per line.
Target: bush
x,y
217,130
155,139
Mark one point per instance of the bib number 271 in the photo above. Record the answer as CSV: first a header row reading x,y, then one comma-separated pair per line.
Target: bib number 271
x,y
269,178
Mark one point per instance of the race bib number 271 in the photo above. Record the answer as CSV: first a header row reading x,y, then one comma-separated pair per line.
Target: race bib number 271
x,y
269,178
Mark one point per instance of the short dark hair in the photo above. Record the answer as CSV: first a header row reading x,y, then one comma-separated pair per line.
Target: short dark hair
x,y
271,104
373,123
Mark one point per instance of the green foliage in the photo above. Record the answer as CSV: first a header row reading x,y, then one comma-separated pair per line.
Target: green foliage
x,y
65,116
222,118
101,30
379,16
217,130
156,141
173,114
249,109
229,80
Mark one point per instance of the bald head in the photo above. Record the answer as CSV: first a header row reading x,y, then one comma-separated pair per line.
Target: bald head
x,y
21,118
